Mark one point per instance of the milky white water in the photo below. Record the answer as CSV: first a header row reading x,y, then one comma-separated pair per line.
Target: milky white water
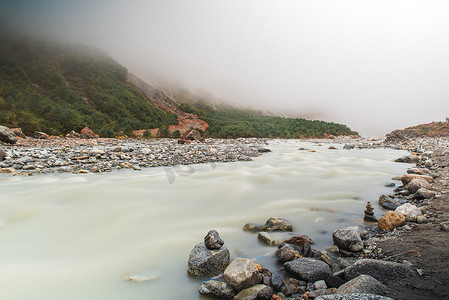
x,y
78,236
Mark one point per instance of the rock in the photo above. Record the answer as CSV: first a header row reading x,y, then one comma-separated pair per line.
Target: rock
x,y
252,227
348,239
87,133
391,220
265,293
444,226
242,274
301,243
2,154
7,135
420,171
369,214
191,135
8,171
18,133
183,141
321,292
277,279
263,150
308,269
287,252
212,240
216,289
417,184
277,224
390,205
409,177
320,285
390,184
72,134
204,262
379,269
423,193
334,281
250,293
410,211
361,296
384,199
348,146
362,284
41,135
332,148
421,219
266,238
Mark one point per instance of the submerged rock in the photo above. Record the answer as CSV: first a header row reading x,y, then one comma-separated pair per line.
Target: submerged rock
x,y
250,293
277,224
205,262
266,238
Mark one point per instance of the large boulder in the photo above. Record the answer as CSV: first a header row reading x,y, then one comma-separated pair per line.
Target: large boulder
x,y
406,178
242,273
2,154
410,211
379,269
417,183
348,239
212,240
205,262
216,289
87,133
391,220
359,296
7,135
250,293
362,284
308,269
423,193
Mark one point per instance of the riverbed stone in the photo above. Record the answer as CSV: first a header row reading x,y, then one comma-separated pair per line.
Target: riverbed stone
x,y
212,240
268,239
242,273
410,211
7,135
250,293
406,178
2,154
216,289
357,296
348,239
277,224
415,184
379,269
205,262
390,205
423,193
287,252
250,227
265,293
308,269
391,220
362,284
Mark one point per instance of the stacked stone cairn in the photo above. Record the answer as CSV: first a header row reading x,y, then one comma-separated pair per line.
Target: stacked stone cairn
x,y
369,214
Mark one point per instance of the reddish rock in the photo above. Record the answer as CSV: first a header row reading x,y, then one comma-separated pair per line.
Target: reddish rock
x,y
41,135
409,177
18,132
192,135
87,133
391,220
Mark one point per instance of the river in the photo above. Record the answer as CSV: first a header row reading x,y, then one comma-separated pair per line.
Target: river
x,y
77,236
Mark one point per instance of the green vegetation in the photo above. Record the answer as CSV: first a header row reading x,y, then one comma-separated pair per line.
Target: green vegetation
x,y
57,89
229,122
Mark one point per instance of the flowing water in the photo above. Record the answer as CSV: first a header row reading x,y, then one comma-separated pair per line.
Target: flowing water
x,y
79,236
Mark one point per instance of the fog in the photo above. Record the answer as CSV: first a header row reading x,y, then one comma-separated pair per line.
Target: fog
x,y
373,65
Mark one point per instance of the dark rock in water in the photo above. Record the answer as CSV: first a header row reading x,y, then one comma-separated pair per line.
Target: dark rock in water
x,y
362,284
334,281
420,194
348,239
385,198
250,293
299,243
308,269
41,135
390,206
216,289
242,273
212,240
2,154
7,135
370,219
277,279
332,148
348,147
287,252
266,293
380,270
390,184
204,262
263,150
359,296
277,224
252,227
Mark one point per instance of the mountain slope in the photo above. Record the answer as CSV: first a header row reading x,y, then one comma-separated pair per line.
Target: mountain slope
x,y
52,88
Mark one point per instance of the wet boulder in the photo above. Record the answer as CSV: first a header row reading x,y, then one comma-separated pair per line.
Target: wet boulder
x,y
204,262
277,224
87,133
417,183
287,252
379,269
423,193
410,211
348,239
308,269
212,240
242,273
268,239
216,289
362,284
18,133
7,135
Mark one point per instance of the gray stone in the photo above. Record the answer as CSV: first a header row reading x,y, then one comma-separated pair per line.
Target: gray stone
x,y
308,269
362,284
321,292
7,135
212,240
266,293
277,224
380,270
2,154
423,193
204,262
334,281
250,293
320,285
268,239
242,274
415,184
389,205
277,279
385,198
348,239
286,253
216,289
410,211
348,146
252,227
361,296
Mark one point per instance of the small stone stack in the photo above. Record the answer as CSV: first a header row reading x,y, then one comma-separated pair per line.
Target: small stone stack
x,y
369,214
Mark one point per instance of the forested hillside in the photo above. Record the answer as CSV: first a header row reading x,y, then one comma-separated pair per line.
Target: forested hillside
x,y
56,89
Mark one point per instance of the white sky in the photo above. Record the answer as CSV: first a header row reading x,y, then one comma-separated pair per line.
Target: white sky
x,y
374,65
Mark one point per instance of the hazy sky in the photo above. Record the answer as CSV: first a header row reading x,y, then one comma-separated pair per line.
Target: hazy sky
x,y
374,65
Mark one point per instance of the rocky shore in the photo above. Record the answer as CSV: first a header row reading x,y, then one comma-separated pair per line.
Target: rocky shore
x,y
401,256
